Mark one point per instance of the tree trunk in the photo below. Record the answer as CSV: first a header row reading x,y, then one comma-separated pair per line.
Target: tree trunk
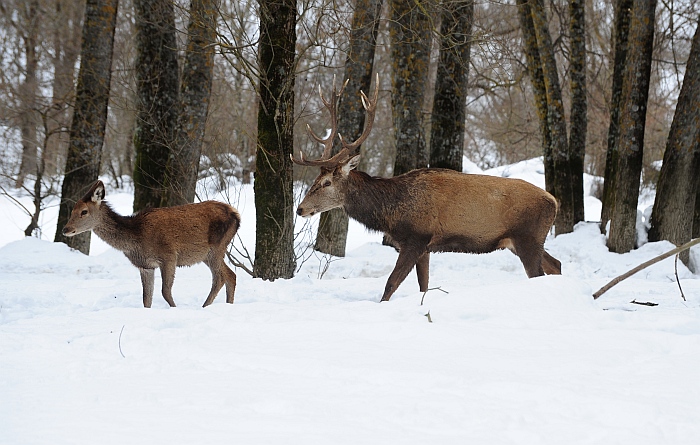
x,y
563,187
410,54
157,97
578,117
623,10
450,103
90,114
274,200
672,216
539,91
333,226
29,89
195,92
633,107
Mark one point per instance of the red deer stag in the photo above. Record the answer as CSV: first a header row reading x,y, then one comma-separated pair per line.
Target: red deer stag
x,y
431,210
165,238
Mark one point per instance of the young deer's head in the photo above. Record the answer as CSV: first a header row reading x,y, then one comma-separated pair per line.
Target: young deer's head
x,y
85,214
329,189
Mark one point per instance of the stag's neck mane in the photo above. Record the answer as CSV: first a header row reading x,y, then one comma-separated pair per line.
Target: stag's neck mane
x,y
372,200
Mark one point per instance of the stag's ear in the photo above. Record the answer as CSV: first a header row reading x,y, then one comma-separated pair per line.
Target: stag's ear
x,y
351,165
96,193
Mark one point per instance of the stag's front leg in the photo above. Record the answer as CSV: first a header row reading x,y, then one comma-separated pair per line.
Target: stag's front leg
x,y
407,259
147,280
423,271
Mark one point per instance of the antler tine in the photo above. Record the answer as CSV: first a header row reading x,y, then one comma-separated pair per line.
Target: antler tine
x,y
370,107
332,107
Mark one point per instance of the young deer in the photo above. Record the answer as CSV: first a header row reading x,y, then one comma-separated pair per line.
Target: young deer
x,y
165,238
431,210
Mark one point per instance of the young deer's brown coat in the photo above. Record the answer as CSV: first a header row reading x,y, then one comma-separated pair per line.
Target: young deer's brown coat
x,y
432,210
165,238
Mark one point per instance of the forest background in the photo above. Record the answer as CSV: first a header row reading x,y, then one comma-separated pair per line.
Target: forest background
x,y
159,93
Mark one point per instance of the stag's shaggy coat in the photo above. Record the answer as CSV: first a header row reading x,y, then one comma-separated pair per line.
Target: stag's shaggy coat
x,y
163,238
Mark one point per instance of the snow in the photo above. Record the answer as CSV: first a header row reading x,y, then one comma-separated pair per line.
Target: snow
x,y
501,359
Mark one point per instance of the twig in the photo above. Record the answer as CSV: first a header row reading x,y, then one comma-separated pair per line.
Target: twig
x,y
644,265
432,288
430,320
675,265
644,303
120,341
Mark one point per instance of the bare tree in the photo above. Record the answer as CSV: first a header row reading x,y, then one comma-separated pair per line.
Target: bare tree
x,y
633,107
90,115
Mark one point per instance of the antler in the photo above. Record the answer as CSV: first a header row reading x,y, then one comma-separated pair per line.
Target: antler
x,y
326,160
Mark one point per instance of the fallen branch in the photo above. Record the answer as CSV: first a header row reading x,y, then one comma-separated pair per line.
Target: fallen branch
x,y
644,303
644,265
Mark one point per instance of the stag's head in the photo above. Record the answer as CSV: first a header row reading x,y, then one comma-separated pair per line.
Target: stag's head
x,y
328,190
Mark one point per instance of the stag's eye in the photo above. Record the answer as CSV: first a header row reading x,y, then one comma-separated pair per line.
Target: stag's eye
x,y
84,213
326,183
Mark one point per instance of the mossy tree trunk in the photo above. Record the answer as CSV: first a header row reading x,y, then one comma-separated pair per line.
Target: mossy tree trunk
x,y
90,113
157,98
29,90
621,32
195,92
578,117
409,34
633,108
563,187
450,102
274,200
333,225
674,205
539,91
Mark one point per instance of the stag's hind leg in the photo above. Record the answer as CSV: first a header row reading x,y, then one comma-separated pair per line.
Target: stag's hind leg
x,y
530,254
551,265
147,282
423,271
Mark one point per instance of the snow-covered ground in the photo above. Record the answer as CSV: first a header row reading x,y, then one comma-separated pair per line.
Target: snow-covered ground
x,y
317,360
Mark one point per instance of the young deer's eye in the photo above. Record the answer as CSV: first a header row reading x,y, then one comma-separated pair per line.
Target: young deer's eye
x,y
326,183
84,213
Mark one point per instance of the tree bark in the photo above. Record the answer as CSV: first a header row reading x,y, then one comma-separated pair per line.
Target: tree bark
x,y
333,225
274,200
539,91
578,117
563,187
674,205
157,92
29,89
90,114
409,33
635,91
450,102
195,92
623,10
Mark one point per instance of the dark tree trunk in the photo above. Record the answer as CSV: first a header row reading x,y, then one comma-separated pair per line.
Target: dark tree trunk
x,y
333,226
274,200
633,108
579,107
29,90
563,187
410,54
672,216
195,91
90,114
539,91
157,97
622,24
450,103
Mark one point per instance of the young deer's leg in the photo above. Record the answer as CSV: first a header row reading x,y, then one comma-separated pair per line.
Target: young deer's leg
x,y
530,254
551,265
230,277
423,270
147,279
217,280
167,274
407,259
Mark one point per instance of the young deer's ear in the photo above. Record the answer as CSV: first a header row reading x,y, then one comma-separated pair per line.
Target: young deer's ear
x,y
97,192
351,164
